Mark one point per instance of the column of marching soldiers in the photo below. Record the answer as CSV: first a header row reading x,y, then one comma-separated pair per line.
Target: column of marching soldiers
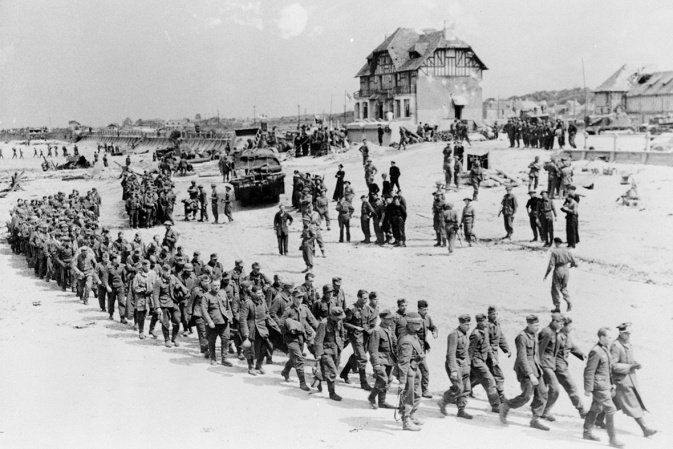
x,y
252,316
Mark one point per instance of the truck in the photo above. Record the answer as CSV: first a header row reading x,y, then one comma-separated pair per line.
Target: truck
x,y
257,176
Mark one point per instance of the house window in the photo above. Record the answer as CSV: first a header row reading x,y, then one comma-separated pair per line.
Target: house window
x,y
357,111
407,112
397,108
364,111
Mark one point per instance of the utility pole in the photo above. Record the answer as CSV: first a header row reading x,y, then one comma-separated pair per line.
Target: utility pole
x,y
298,116
254,114
586,104
331,97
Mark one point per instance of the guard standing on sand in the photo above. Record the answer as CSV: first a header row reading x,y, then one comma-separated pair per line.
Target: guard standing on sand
x,y
476,178
547,215
281,222
215,198
467,221
508,209
203,203
227,203
533,209
560,260
409,355
308,247
529,373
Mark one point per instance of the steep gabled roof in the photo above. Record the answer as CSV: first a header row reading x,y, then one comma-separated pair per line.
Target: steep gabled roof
x,y
657,83
408,49
622,79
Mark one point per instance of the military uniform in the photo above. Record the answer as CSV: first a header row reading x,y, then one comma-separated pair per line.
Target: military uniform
x,y
357,324
479,352
327,347
382,348
457,367
218,315
409,355
296,323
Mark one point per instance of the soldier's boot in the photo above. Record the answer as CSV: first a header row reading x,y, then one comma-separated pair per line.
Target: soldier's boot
x,y
463,414
536,424
344,373
570,306
610,425
407,424
382,401
647,432
504,410
600,421
442,407
582,412
363,381
251,367
416,420
332,392
372,398
223,355
302,381
286,375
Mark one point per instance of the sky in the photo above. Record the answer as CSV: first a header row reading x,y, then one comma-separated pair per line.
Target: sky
x,y
99,62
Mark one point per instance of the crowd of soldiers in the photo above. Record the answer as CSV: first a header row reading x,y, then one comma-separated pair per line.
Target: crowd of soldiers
x,y
149,201
540,133
252,315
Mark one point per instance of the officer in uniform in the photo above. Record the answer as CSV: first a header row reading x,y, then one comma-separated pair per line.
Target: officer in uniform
x,y
450,226
297,324
437,210
428,327
383,355
508,209
479,352
560,260
496,341
215,202
357,325
549,347
547,215
467,221
227,203
409,355
533,209
476,178
217,312
457,366
327,347
366,213
529,374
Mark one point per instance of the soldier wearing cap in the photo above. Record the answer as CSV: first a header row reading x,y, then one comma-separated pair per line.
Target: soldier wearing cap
x,y
142,288
227,203
358,326
83,267
166,298
215,202
549,347
598,384
327,347
217,312
214,268
479,352
367,212
476,178
437,210
508,208
297,324
529,373
496,341
409,355
566,346
321,309
170,238
467,221
308,237
281,223
547,215
450,226
382,349
428,327
560,261
533,209
197,263
115,284
255,322
458,368
237,275
628,397
194,314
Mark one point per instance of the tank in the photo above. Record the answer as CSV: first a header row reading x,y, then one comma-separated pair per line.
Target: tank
x,y
258,176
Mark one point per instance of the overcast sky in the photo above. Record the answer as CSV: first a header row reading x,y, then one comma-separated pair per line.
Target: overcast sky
x,y
100,61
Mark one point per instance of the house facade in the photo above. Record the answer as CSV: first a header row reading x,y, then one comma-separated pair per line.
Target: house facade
x,y
431,77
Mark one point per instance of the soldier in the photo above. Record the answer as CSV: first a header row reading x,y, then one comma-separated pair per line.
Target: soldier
x,y
194,313
529,374
437,210
496,341
533,209
345,210
395,174
366,213
508,209
458,368
329,342
547,215
358,326
64,259
255,322
409,355
570,207
428,326
297,323
476,178
115,286
450,226
547,341
479,352
227,203
383,355
142,288
628,397
552,176
560,260
322,206
364,149
565,347
170,238
215,198
598,383
449,162
467,221
166,305
281,222
534,173
83,267
217,312
101,279
311,296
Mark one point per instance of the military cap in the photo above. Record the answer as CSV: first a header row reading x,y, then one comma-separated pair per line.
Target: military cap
x,y
146,262
246,284
189,267
422,304
532,192
464,318
136,251
414,317
213,185
557,316
213,256
166,267
227,187
289,285
153,259
336,280
226,275
197,253
480,317
65,238
558,240
347,182
327,288
400,301
624,326
373,295
337,312
448,205
567,320
467,199
530,319
239,262
386,314
543,192
508,188
297,294
363,197
255,265
83,248
168,223
164,248
492,309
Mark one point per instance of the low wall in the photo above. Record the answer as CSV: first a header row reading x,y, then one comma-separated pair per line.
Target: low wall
x,y
152,143
622,157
